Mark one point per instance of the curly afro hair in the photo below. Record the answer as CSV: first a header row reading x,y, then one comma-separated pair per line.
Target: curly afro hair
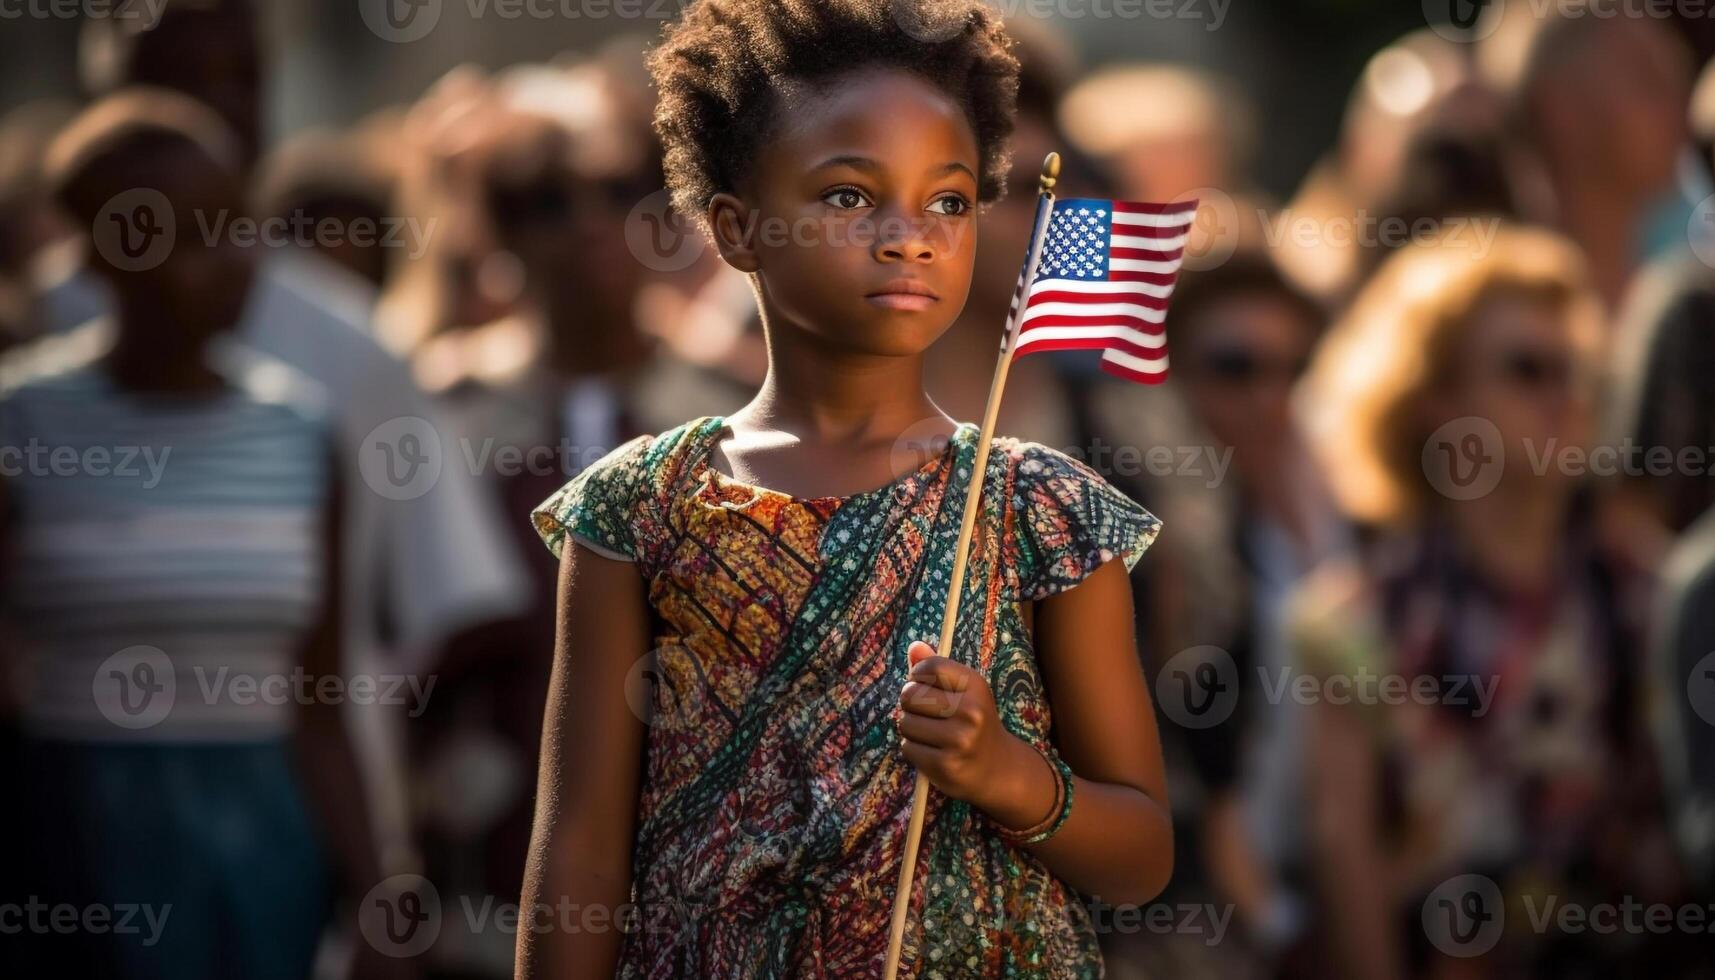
x,y
721,71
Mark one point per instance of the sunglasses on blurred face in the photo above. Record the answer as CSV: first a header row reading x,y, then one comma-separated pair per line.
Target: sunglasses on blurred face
x,y
551,199
1538,370
1241,366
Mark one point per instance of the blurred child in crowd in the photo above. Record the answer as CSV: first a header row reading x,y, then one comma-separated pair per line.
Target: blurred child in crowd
x,y
145,604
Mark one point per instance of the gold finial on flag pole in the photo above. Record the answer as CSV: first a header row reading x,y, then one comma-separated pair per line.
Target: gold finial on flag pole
x,y
1050,171
950,617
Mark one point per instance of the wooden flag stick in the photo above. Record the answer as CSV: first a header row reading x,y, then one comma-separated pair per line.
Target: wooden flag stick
x,y
973,497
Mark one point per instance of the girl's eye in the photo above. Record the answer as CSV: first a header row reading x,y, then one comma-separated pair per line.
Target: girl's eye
x,y
846,198
958,205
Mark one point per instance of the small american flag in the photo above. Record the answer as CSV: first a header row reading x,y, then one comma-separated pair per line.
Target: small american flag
x,y
1102,282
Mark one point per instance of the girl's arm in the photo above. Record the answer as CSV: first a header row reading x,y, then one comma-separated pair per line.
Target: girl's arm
x,y
586,795
1117,844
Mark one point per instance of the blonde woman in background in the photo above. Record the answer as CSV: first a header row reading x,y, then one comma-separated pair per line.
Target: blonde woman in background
x,y
1473,743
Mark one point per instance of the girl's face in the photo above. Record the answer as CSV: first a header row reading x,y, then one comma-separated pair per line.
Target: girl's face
x,y
859,217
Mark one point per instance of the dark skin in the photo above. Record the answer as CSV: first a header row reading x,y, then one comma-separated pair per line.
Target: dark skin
x,y
845,383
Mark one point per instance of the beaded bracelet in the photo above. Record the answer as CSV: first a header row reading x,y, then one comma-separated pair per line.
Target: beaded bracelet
x,y
1056,818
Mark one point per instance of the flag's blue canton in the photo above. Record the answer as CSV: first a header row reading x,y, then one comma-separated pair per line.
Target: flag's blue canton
x,y
1076,246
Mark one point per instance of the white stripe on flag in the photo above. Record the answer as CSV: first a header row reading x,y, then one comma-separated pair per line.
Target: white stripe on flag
x,y
1089,286
1152,365
1143,265
1159,244
1098,286
1106,331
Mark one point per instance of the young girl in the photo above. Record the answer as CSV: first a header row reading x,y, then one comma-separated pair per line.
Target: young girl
x,y
777,571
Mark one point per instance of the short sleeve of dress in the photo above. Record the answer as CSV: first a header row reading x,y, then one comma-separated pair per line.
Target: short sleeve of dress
x,y
1071,520
598,506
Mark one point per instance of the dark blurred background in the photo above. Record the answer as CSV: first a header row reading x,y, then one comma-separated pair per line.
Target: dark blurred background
x,y
1431,628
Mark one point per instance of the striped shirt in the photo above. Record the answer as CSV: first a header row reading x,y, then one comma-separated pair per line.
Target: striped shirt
x,y
165,550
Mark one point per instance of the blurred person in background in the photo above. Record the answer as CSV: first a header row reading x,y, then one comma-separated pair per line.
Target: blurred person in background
x,y
407,591
236,819
562,155
1660,512
1682,669
1164,131
1254,517
1420,138
343,183
464,280
1603,104
1661,413
29,225
1168,133
1442,406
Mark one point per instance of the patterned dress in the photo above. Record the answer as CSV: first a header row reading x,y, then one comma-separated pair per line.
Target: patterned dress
x,y
775,801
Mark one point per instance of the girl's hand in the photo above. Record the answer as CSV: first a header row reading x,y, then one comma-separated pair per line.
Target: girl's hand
x,y
952,731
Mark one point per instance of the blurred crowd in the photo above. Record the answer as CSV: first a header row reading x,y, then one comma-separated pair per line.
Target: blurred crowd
x,y
1431,627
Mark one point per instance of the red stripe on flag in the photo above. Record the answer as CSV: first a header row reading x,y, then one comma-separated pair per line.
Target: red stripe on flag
x,y
1149,254
1153,278
1027,345
1140,207
1146,231
1071,320
1060,343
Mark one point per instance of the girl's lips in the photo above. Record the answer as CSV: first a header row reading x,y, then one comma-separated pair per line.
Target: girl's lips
x,y
902,301
904,294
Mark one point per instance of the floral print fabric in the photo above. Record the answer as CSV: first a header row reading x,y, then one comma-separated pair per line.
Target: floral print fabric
x,y
775,801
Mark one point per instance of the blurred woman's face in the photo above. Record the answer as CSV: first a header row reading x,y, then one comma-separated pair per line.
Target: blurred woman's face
x,y
1242,357
1520,368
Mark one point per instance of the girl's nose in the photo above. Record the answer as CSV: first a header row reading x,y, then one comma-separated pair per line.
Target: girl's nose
x,y
913,245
